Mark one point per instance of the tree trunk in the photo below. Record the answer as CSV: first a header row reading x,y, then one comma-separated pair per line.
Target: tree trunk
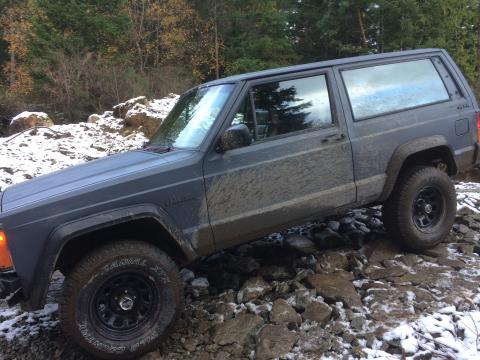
x,y
361,27
217,62
12,67
477,70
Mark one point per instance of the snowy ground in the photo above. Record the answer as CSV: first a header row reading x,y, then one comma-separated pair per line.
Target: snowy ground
x,y
391,304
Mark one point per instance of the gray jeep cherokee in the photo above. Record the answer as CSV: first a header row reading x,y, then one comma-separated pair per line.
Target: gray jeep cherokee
x,y
236,159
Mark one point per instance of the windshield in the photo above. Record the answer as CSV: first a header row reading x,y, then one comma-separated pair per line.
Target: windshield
x,y
192,117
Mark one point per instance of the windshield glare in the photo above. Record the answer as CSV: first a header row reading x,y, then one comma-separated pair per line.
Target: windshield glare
x,y
192,117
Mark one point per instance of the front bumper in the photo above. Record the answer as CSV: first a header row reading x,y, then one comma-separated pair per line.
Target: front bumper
x,y
10,287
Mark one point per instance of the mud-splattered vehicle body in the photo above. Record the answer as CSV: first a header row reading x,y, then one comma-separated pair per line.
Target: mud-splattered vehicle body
x,y
236,159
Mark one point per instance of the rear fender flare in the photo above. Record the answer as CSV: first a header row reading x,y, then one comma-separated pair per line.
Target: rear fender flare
x,y
403,151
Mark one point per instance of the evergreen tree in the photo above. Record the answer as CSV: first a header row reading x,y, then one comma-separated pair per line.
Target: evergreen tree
x,y
87,26
324,29
253,34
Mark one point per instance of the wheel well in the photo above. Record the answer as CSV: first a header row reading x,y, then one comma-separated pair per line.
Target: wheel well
x,y
434,156
147,229
439,156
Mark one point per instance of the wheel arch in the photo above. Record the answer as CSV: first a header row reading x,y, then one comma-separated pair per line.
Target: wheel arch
x,y
78,237
422,151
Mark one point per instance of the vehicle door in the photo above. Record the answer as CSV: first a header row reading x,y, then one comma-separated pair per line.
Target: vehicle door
x,y
298,166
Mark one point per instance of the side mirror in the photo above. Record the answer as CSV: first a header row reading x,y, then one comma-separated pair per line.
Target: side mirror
x,y
236,136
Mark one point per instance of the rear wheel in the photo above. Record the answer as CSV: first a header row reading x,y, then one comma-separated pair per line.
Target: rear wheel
x,y
120,300
421,209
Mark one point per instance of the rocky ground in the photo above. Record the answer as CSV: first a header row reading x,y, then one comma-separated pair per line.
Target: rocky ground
x,y
335,288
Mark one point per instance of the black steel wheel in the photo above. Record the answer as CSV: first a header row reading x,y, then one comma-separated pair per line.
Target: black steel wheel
x,y
124,303
421,209
121,300
428,207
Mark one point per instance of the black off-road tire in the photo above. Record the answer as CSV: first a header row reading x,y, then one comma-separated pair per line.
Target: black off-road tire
x,y
106,329
405,212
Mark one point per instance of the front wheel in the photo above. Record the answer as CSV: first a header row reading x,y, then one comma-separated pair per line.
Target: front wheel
x,y
121,299
421,209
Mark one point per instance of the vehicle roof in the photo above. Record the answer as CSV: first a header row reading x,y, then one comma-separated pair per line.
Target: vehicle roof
x,y
315,65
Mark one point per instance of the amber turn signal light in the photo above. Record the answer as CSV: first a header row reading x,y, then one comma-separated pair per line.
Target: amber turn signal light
x,y
5,259
478,127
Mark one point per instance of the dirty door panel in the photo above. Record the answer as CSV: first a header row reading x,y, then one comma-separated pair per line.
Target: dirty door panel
x,y
287,174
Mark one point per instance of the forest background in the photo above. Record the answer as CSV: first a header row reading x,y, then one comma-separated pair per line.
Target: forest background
x,y
72,58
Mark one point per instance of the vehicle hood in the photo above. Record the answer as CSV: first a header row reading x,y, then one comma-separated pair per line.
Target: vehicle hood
x,y
74,178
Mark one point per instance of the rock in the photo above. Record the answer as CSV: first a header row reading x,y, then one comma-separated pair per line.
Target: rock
x,y
27,120
331,261
187,275
410,259
308,262
347,220
356,238
374,223
275,272
154,355
222,280
456,264
302,274
302,298
463,229
440,250
120,110
283,313
358,321
282,288
318,312
315,340
377,273
237,330
200,286
380,250
466,249
225,310
360,214
334,225
242,264
336,287
262,309
253,288
328,239
364,229
221,355
140,118
301,244
94,118
274,341
297,285
190,344
434,276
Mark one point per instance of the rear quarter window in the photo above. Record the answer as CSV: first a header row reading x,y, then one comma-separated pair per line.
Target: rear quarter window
x,y
382,89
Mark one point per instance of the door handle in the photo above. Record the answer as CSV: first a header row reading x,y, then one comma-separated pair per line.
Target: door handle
x,y
334,137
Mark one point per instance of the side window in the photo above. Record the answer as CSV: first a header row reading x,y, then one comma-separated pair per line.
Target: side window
x,y
388,88
287,106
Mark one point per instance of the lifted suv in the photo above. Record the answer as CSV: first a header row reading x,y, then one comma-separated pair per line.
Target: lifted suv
x,y
236,159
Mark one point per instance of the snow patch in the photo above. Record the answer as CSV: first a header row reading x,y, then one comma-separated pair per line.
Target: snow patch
x,y
27,114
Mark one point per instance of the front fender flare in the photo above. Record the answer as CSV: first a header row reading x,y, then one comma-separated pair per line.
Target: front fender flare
x,y
65,232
